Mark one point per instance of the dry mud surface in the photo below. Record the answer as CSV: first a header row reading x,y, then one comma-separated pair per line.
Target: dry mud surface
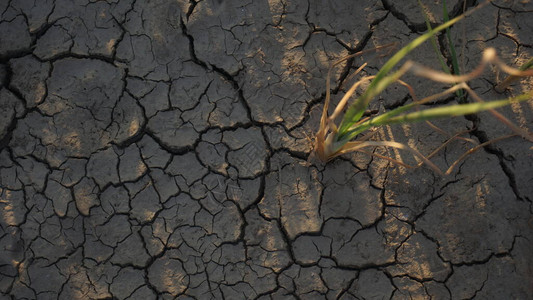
x,y
159,150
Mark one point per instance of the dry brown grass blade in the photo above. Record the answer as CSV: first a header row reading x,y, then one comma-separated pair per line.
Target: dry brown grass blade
x,y
500,88
392,160
489,57
474,149
347,96
351,76
456,136
447,142
355,146
389,46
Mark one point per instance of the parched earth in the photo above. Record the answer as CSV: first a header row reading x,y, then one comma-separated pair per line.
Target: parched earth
x,y
161,150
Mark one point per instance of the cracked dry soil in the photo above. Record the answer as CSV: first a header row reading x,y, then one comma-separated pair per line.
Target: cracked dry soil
x,y
158,150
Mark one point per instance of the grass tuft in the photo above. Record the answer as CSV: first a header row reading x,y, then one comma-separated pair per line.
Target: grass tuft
x,y
332,140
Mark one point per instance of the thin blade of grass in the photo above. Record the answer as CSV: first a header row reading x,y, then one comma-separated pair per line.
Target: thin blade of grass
x,y
512,78
454,137
450,111
346,97
489,57
455,64
355,146
392,160
433,40
474,149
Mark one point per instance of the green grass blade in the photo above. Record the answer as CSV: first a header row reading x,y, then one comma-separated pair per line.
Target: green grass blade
x,y
449,111
455,63
378,120
392,117
356,110
433,40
